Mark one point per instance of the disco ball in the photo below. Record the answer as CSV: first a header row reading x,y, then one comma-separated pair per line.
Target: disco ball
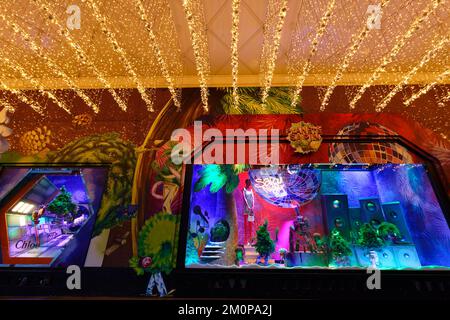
x,y
367,152
286,187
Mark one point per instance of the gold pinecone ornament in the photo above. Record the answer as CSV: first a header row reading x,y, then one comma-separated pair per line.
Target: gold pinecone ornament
x,y
35,141
82,120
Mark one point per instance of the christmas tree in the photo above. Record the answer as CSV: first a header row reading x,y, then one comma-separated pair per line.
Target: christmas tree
x,y
264,244
369,237
339,247
62,204
388,231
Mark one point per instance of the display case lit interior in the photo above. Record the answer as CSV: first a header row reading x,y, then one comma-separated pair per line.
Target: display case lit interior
x,y
315,216
47,214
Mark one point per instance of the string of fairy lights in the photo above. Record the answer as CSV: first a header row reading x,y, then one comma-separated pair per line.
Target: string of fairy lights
x,y
446,99
22,97
235,8
81,55
275,16
389,58
7,105
301,77
36,83
428,87
155,18
117,48
354,47
193,10
425,59
49,62
159,56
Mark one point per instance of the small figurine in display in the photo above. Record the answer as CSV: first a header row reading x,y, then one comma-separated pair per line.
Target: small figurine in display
x,y
319,243
373,258
249,215
299,234
240,254
35,216
282,252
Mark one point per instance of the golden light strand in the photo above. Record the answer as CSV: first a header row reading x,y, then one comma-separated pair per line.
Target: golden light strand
x,y
35,106
157,50
356,43
300,79
4,103
36,84
428,87
235,10
193,10
425,59
101,19
272,39
80,53
50,63
447,97
396,49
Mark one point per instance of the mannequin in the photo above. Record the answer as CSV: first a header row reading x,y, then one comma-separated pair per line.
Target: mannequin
x,y
249,215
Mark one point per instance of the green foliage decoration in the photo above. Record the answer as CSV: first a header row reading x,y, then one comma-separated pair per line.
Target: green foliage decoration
x,y
264,244
218,176
219,232
278,101
157,240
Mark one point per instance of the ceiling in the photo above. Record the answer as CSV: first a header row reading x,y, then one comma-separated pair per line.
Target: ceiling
x,y
54,63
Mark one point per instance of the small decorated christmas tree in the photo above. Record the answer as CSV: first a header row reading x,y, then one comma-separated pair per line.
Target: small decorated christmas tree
x,y
62,205
339,247
264,244
369,238
388,231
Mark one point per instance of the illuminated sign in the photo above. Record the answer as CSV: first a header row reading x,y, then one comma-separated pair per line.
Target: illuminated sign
x,y
272,185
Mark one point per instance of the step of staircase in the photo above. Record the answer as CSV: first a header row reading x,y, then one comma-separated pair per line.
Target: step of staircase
x,y
212,252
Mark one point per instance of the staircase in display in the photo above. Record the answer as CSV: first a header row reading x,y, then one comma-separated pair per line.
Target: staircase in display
x,y
213,252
